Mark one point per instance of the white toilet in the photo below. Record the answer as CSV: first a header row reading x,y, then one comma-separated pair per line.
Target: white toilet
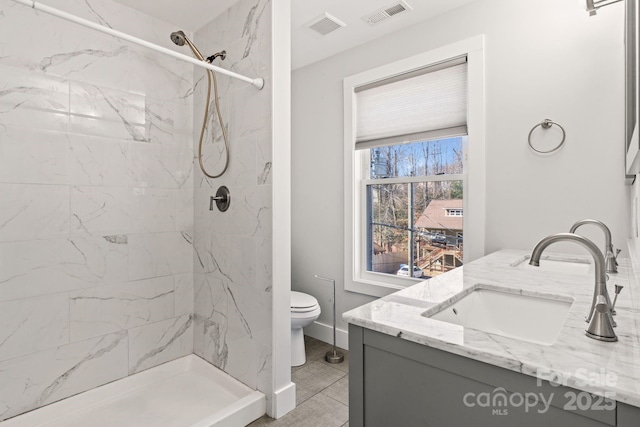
x,y
304,311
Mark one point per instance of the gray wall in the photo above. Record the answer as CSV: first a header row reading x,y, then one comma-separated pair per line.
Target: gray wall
x,y
546,59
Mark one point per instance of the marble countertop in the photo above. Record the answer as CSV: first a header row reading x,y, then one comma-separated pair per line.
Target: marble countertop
x,y
608,369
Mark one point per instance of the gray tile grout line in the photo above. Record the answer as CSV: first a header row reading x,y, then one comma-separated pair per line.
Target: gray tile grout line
x,y
344,374
335,400
320,391
340,379
328,397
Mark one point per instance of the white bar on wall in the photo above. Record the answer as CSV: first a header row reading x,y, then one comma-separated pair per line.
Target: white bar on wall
x,y
257,82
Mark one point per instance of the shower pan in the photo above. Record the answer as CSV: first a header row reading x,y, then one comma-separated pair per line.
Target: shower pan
x,y
186,392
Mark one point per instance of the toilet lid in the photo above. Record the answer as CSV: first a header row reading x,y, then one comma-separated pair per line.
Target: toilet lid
x,y
300,300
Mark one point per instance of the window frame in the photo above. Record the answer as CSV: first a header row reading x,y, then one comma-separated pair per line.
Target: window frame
x,y
356,167
395,282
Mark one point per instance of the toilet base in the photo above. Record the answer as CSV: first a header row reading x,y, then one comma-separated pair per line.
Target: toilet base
x,y
298,356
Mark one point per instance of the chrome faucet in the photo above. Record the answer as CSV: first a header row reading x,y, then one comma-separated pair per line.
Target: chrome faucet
x,y
600,320
610,258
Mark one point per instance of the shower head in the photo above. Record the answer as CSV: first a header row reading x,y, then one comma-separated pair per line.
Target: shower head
x,y
179,38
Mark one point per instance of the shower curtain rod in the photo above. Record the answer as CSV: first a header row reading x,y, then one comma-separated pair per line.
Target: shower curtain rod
x,y
257,82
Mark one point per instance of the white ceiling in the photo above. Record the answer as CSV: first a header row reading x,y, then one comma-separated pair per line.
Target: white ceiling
x,y
306,45
189,15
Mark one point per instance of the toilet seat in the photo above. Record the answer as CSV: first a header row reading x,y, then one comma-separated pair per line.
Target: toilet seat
x,y
303,303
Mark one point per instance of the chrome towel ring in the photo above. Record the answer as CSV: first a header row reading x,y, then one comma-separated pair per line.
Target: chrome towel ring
x,y
546,124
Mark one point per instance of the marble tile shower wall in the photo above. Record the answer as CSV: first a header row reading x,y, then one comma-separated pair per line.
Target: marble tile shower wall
x,y
232,267
96,202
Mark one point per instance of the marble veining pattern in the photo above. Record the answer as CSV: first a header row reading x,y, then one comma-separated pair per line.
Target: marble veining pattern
x,y
96,202
33,324
51,375
32,268
184,294
30,212
232,250
61,58
105,226
102,310
160,342
160,254
402,314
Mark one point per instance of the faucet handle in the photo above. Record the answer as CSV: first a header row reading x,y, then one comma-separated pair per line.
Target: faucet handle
x,y
610,260
600,327
613,305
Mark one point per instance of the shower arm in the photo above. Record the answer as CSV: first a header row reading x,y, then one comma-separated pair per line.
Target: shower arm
x,y
257,82
592,6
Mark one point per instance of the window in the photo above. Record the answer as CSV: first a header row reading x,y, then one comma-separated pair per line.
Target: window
x,y
409,159
405,221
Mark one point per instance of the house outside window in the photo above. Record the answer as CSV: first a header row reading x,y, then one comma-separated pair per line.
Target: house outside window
x,y
407,168
406,220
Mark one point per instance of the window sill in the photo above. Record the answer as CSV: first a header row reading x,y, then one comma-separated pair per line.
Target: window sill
x,y
379,285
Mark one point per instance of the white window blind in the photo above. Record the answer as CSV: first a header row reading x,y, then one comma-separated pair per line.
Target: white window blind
x,y
424,104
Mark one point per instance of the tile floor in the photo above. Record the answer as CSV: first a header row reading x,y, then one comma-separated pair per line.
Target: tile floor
x,y
322,391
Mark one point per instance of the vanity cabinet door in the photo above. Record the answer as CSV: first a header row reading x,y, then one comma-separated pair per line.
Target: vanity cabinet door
x,y
400,383
628,416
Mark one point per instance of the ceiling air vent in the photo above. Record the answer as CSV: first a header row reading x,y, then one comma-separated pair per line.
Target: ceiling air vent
x,y
387,12
326,24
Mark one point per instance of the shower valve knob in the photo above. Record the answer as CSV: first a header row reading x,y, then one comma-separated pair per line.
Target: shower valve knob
x,y
222,199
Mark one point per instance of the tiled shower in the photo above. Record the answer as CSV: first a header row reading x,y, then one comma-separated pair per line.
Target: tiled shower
x,y
110,260
232,266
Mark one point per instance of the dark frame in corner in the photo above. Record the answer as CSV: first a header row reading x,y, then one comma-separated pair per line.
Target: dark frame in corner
x,y
632,141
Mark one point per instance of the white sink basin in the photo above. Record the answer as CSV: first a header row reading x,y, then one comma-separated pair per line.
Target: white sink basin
x,y
556,264
517,314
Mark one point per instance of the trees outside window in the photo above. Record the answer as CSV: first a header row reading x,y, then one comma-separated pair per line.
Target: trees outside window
x,y
410,190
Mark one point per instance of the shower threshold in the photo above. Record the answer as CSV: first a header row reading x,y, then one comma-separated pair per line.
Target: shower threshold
x,y
185,392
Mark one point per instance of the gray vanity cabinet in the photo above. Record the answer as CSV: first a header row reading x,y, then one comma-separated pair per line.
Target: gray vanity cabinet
x,y
394,382
628,416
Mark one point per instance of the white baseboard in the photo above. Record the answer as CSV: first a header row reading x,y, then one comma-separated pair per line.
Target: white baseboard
x,y
284,401
323,332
